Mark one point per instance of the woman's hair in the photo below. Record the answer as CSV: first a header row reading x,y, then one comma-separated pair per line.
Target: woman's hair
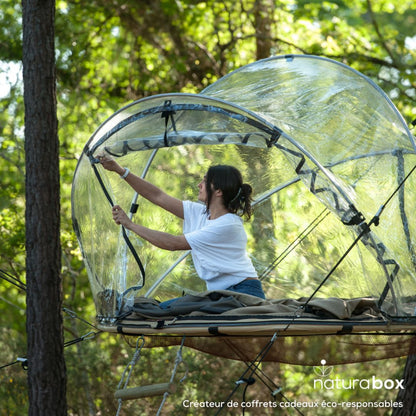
x,y
236,194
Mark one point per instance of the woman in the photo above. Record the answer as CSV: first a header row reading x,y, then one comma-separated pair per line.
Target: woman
x,y
213,231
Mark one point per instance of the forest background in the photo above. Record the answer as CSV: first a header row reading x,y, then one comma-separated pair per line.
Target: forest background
x,y
109,53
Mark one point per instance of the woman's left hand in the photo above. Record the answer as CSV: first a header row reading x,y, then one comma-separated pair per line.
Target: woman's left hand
x,y
120,217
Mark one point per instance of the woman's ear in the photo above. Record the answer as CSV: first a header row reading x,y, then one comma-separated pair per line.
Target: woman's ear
x,y
218,192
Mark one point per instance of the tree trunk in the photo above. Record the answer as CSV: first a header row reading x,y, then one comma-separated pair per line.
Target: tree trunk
x,y
263,15
408,396
46,372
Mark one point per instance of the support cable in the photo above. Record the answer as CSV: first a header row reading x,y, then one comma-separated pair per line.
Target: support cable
x,y
74,315
263,377
365,229
87,336
24,360
252,367
302,235
11,279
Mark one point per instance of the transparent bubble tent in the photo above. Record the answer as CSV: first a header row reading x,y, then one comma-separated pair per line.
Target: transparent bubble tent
x,y
331,162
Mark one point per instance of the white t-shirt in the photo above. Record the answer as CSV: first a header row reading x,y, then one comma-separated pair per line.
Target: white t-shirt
x,y
218,247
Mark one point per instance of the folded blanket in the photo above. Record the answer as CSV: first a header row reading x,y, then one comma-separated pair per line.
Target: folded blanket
x,y
225,302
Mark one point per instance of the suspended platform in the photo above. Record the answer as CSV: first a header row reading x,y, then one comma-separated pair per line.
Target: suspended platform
x,y
255,326
213,320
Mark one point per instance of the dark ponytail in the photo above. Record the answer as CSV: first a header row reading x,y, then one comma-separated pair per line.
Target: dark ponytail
x,y
236,194
242,204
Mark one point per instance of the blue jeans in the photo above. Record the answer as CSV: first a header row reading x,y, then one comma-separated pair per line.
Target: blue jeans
x,y
249,287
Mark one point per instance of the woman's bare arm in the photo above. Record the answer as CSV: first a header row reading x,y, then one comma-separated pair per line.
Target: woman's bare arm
x,y
159,239
145,188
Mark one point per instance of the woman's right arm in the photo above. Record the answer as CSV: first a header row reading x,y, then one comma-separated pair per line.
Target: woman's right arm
x,y
144,188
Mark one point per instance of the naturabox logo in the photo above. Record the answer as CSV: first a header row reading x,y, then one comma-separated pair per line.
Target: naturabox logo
x,y
373,383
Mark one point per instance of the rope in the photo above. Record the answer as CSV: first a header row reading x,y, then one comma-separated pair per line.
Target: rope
x,y
302,235
249,381
139,345
178,361
24,361
365,229
87,336
273,387
252,366
270,384
74,315
11,279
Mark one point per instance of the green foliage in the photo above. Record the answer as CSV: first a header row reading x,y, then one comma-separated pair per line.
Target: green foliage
x,y
110,53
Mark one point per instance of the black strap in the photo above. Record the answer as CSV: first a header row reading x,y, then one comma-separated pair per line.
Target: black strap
x,y
274,137
167,113
213,330
124,233
134,208
346,329
381,209
249,381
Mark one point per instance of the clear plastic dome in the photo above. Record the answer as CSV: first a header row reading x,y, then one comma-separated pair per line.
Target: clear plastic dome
x,y
326,153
